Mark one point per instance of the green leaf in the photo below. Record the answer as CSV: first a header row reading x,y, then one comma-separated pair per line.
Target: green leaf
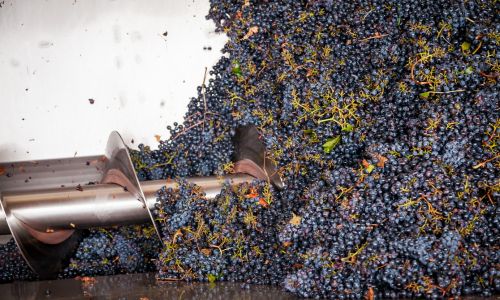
x,y
469,70
425,95
308,131
348,128
211,278
236,69
370,168
465,46
331,143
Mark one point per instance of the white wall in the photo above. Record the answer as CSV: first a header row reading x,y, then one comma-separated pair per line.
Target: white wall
x,y
57,54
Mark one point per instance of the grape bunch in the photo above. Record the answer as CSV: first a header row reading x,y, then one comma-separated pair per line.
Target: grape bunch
x,y
128,249
232,237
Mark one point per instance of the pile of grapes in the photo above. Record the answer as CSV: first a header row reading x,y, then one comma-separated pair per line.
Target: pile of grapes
x,y
383,120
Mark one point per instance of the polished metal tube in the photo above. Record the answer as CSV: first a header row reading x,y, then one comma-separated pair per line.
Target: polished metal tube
x,y
69,208
51,209
4,227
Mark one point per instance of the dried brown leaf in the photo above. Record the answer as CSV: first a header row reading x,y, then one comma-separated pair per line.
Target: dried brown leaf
x,y
295,220
381,160
263,202
365,163
206,251
251,31
370,294
252,193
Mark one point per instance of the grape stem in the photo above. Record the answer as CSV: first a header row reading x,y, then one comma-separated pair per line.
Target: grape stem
x,y
482,164
375,36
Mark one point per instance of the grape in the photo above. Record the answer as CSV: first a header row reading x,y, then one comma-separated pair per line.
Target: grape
x,y
12,264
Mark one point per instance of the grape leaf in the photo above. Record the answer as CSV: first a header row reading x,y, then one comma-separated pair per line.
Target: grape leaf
x,y
263,202
465,46
330,144
348,127
425,95
236,69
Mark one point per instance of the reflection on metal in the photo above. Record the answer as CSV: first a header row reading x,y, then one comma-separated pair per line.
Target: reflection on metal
x,y
45,174
45,217
137,286
250,156
120,170
45,251
45,259
51,173
46,213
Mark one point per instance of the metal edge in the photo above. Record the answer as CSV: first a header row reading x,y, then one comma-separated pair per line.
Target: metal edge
x,y
19,246
118,159
250,156
45,260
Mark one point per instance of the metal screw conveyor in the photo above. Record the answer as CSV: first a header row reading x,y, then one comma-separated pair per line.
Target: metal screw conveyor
x,y
46,204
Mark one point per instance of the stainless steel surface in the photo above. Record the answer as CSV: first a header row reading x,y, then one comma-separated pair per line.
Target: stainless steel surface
x,y
4,239
135,287
51,173
68,208
120,170
145,286
44,246
44,258
4,228
44,174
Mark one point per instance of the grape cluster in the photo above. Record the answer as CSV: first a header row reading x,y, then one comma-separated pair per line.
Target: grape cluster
x,y
128,249
232,237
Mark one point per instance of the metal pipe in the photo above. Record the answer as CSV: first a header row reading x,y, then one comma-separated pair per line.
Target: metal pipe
x,y
52,209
